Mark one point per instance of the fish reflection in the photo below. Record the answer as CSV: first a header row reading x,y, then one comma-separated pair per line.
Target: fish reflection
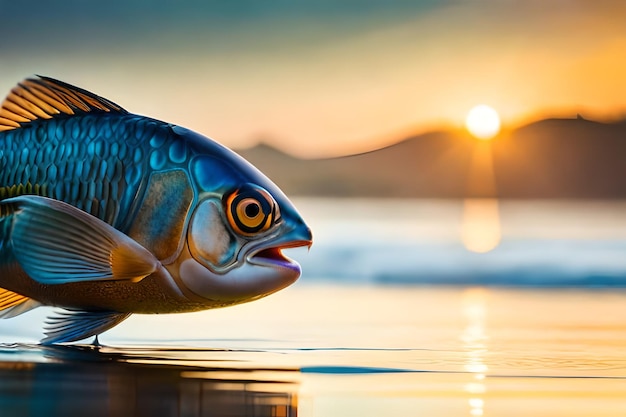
x,y
86,382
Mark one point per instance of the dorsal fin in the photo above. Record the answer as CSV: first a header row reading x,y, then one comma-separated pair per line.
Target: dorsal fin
x,y
45,98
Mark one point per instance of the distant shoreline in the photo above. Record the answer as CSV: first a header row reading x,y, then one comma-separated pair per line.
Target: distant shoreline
x,y
549,159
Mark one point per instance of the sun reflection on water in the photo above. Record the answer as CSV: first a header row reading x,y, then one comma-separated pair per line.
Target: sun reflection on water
x,y
481,228
474,339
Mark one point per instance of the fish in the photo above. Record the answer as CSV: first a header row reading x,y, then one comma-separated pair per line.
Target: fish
x,y
105,213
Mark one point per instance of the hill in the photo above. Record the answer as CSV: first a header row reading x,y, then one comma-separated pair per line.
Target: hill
x,y
554,158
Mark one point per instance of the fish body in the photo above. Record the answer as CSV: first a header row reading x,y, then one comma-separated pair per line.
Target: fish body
x,y
105,213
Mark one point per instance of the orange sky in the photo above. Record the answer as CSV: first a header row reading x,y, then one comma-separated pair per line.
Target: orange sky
x,y
331,81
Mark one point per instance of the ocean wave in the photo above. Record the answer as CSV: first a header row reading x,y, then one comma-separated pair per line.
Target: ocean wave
x,y
513,263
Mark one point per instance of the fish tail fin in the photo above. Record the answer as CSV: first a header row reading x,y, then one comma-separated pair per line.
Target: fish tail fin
x,y
13,304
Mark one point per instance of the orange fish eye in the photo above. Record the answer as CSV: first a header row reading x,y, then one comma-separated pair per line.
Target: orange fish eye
x,y
250,210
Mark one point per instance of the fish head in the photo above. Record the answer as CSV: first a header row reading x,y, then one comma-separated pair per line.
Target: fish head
x,y
238,228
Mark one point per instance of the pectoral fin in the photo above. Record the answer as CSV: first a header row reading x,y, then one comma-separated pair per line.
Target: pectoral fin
x,y
72,325
56,243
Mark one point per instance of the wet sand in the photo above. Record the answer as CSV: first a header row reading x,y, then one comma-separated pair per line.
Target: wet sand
x,y
364,351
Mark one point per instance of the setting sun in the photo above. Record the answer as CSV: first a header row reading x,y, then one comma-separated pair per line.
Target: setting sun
x,y
483,122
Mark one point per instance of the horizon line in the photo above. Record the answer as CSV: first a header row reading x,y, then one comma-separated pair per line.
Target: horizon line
x,y
435,128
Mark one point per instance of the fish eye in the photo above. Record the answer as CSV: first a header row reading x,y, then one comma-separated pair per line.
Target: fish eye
x,y
250,210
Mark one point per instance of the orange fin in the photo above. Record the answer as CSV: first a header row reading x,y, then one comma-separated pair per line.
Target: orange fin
x,y
46,98
13,304
10,299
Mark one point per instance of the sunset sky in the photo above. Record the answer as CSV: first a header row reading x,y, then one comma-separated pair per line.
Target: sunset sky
x,y
326,77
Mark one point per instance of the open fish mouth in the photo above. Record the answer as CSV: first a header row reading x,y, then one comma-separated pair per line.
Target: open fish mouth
x,y
273,256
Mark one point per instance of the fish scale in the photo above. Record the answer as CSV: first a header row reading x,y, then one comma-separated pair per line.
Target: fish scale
x,y
96,160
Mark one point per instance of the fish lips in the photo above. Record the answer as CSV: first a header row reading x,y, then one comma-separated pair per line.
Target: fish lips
x,y
269,253
272,255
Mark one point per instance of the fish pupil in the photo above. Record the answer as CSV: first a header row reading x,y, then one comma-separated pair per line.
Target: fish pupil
x,y
252,210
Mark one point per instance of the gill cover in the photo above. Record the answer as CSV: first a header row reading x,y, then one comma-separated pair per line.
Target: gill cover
x,y
210,242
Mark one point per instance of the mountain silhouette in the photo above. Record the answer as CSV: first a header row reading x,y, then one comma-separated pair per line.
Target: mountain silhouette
x,y
553,158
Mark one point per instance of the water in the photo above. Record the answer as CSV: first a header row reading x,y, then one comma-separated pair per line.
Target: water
x,y
539,243
344,351
345,342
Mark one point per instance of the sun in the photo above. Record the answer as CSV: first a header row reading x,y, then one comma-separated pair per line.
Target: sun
x,y
483,122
